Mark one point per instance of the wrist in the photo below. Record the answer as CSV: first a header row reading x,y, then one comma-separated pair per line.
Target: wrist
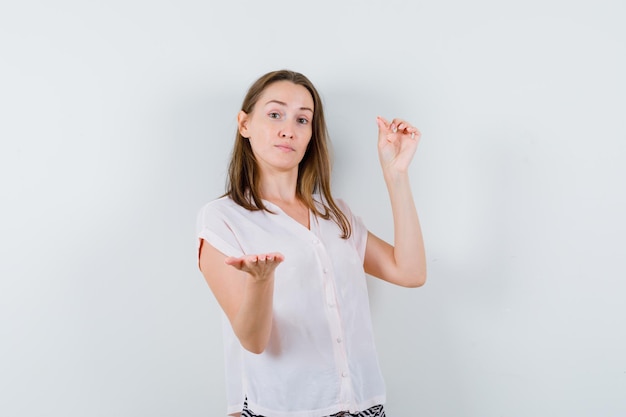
x,y
395,176
259,280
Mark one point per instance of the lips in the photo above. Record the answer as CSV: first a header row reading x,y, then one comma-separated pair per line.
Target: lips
x,y
284,147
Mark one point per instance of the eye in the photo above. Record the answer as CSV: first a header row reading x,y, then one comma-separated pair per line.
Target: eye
x,y
274,115
303,121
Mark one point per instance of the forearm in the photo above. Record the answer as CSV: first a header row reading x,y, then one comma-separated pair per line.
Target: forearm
x,y
253,322
408,251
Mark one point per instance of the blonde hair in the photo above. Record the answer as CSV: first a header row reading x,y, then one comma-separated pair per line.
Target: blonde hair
x,y
314,171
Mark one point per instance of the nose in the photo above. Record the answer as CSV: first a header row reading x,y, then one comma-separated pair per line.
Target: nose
x,y
286,132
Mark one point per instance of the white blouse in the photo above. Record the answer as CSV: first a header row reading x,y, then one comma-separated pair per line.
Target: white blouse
x,y
321,357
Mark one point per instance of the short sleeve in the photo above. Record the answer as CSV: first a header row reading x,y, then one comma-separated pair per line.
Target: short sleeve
x,y
213,225
359,231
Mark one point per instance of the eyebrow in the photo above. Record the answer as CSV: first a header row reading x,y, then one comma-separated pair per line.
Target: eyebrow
x,y
285,104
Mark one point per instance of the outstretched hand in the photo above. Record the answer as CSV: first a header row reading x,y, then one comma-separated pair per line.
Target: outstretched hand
x,y
260,267
397,143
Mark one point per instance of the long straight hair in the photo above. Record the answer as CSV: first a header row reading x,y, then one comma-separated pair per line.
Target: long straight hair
x,y
314,171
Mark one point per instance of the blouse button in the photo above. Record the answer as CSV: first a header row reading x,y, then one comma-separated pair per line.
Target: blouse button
x,y
339,340
344,374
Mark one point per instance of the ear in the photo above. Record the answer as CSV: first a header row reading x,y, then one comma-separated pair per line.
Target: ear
x,y
242,123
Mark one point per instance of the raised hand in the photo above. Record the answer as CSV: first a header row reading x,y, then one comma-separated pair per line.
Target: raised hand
x,y
397,143
260,267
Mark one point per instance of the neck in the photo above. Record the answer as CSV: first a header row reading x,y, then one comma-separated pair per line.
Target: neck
x,y
280,187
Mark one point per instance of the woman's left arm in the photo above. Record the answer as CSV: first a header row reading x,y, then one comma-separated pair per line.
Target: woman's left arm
x,y
404,263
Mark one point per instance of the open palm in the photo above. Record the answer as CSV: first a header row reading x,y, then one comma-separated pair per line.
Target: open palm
x,y
260,267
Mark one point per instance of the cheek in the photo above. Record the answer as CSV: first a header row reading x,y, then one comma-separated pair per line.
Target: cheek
x,y
308,146
308,134
259,135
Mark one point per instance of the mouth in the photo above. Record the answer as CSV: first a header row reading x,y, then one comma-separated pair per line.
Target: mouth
x,y
284,148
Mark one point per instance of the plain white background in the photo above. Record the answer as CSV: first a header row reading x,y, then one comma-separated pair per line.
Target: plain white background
x,y
116,123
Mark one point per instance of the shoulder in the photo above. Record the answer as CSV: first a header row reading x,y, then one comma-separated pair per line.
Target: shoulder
x,y
343,205
224,201
345,209
223,205
321,203
355,221
219,211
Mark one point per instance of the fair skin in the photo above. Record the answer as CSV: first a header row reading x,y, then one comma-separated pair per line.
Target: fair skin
x,y
279,130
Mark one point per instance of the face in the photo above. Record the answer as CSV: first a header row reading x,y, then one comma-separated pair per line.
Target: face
x,y
280,126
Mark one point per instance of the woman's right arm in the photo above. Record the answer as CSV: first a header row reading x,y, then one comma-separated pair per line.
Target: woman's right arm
x,y
244,288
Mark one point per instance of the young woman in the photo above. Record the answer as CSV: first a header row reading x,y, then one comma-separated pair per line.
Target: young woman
x,y
287,262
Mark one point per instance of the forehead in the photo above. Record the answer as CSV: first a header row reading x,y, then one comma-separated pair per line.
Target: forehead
x,y
293,95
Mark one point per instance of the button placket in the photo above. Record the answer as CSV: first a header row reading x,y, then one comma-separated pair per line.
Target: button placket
x,y
334,320
336,328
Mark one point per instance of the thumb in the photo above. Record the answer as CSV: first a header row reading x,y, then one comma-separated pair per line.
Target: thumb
x,y
382,123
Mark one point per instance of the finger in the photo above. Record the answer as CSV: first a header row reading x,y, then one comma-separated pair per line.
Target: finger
x,y
278,257
255,259
406,128
274,257
383,124
234,262
248,261
398,125
382,120
402,125
416,134
385,131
